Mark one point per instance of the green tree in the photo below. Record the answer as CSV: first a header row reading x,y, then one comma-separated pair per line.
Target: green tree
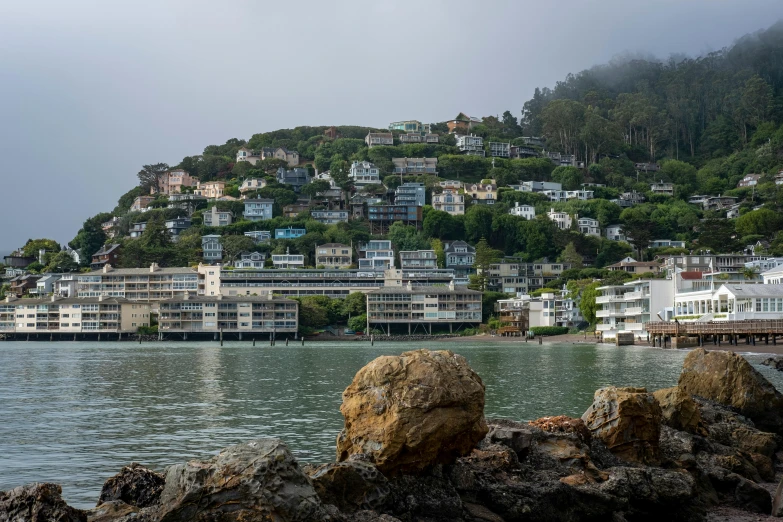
x,y
440,253
570,255
150,176
316,188
762,222
62,262
570,177
89,239
485,256
358,323
235,245
312,314
354,304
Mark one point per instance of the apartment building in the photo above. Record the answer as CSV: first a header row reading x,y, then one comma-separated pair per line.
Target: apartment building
x,y
514,276
418,259
381,217
375,139
419,308
724,263
333,255
137,284
217,218
258,209
415,165
499,150
523,211
229,315
330,217
410,194
470,144
449,201
289,233
483,193
627,307
212,248
561,219
378,254
364,173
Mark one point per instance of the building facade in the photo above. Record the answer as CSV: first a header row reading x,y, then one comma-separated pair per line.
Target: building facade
x,y
410,194
212,248
415,165
364,173
333,255
217,218
523,211
449,201
258,209
470,145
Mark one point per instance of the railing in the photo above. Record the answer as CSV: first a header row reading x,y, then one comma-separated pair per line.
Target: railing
x,y
716,327
609,299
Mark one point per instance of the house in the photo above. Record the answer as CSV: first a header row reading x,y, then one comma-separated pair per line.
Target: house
x,y
364,173
449,201
45,285
470,144
288,260
251,185
562,219
412,137
378,255
666,243
333,256
413,126
280,153
709,263
564,160
212,248
749,180
632,197
499,150
107,255
137,229
381,217
21,285
451,184
296,178
733,302
517,151
460,257
250,260
259,236
733,212
188,203
779,178
647,167
415,165
359,203
633,266
483,193
330,217
217,218
245,314
258,209
177,226
588,226
173,181
141,203
293,210
374,139
666,189
523,211
110,227
462,124
421,307
418,259
289,233
626,308
615,233
582,195
410,194
211,189
537,186
719,202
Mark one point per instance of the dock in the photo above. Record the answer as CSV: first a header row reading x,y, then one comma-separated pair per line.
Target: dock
x,y
714,332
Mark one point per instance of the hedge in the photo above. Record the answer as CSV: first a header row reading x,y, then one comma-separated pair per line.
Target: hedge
x,y
549,330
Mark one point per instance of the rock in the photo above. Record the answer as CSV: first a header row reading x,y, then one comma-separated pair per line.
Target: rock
x,y
774,362
777,501
563,424
423,497
729,379
258,480
351,486
643,488
134,485
736,490
409,412
517,439
679,410
39,502
118,511
628,421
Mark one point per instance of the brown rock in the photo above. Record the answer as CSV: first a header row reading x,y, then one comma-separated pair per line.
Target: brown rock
x,y
39,502
777,501
729,379
680,411
563,424
628,421
408,412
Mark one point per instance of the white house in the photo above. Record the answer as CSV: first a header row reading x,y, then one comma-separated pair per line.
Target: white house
x,y
626,308
250,260
288,260
364,173
449,201
615,233
561,219
470,145
589,226
524,211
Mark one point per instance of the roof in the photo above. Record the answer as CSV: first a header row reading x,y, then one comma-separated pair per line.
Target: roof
x,y
635,263
108,249
226,299
332,245
145,270
259,200
754,290
440,290
73,300
691,276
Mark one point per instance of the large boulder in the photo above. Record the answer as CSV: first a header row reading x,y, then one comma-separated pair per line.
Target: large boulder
x,y
134,485
258,480
679,410
729,379
408,412
628,421
39,502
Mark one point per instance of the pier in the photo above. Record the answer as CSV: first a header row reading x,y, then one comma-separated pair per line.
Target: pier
x,y
682,334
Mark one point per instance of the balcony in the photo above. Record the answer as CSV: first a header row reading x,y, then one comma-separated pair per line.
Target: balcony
x,y
610,313
610,299
636,310
630,296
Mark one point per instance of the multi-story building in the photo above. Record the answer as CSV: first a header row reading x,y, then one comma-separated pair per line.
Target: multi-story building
x,y
186,202
749,180
374,139
251,185
588,226
364,173
258,209
259,236
23,284
523,211
110,227
710,263
519,151
45,285
765,265
626,308
177,226
296,178
423,307
561,219
137,229
137,284
289,233
412,137
513,314
211,189
662,188
449,201
378,254
212,248
281,153
293,210
288,260
666,243
329,217
633,266
462,124
228,315
414,126
615,233
250,260
108,254
333,255
214,217
483,193
173,181
418,259
381,217
141,203
717,203
470,144
513,276
56,316
415,165
460,257
451,184
537,186
499,150
410,194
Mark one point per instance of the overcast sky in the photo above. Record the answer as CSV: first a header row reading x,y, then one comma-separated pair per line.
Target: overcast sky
x,y
91,90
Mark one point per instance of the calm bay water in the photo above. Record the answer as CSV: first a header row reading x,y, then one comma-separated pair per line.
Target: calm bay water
x,y
75,413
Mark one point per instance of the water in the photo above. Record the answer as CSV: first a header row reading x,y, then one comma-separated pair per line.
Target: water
x,y
75,413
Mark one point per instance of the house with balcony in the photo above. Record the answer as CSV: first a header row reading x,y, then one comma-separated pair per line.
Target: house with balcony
x,y
22,284
141,203
561,219
449,201
108,254
177,226
523,211
513,315
377,254
410,194
537,186
615,233
333,256
719,202
381,217
45,285
295,178
330,217
288,261
110,227
375,139
251,185
460,257
415,165
212,248
188,203
137,229
626,308
749,180
515,276
666,189
211,189
139,284
289,233
364,173
301,206
173,181
462,124
520,151
214,217
450,184
413,137
280,153
666,243
259,236
483,193
499,150
633,266
258,209
470,144
250,260
414,126
418,259
588,226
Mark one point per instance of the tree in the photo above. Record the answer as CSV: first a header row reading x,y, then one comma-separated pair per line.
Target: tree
x,y
354,304
638,226
358,323
570,177
440,253
316,188
442,225
571,256
485,256
33,246
585,291
763,222
62,262
235,245
312,314
89,239
150,177
406,237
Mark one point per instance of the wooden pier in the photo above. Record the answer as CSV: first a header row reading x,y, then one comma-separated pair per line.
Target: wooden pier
x,y
714,332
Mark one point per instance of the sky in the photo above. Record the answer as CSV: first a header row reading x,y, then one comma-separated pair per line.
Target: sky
x,y
92,90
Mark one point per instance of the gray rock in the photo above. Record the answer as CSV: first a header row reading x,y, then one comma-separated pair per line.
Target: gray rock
x,y
777,501
134,485
351,486
39,502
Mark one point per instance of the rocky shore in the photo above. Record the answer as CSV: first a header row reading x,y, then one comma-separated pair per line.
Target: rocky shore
x,y
417,447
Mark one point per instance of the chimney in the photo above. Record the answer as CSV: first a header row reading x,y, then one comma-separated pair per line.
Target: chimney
x,y
451,285
100,298
154,267
409,286
106,268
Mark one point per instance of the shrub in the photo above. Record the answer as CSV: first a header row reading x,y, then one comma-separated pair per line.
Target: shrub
x,y
549,330
147,330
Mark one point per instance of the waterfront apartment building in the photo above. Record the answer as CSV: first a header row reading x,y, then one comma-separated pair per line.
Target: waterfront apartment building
x,y
422,307
228,315
627,307
137,284
512,276
449,201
